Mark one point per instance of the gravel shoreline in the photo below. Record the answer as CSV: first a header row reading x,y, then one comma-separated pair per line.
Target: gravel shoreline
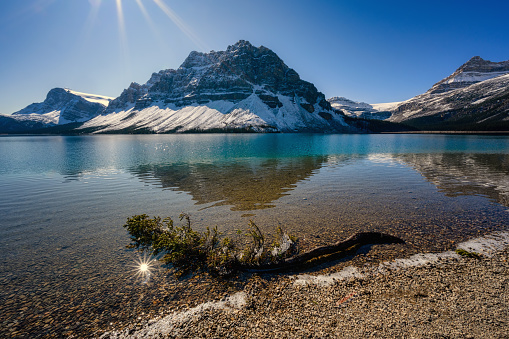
x,y
449,297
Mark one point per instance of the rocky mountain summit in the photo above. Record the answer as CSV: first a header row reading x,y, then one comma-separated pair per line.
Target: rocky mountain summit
x,y
244,88
474,97
473,71
233,75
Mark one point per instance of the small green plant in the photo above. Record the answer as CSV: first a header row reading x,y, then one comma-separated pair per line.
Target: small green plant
x,y
188,250
467,254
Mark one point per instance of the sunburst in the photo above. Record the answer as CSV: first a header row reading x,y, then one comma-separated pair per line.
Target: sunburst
x,y
142,267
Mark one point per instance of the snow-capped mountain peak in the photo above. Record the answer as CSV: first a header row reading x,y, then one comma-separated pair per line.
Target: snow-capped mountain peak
x,y
243,88
473,71
63,106
101,99
474,97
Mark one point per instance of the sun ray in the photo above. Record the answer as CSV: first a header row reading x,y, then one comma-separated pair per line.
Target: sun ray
x,y
149,21
181,24
145,13
122,33
121,23
92,16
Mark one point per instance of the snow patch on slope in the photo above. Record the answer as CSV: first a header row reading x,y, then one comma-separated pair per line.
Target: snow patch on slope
x,y
101,99
50,118
387,106
428,104
474,76
250,113
362,109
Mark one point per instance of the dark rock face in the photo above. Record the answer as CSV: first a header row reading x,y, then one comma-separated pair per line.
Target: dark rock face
x,y
231,75
325,115
271,101
73,108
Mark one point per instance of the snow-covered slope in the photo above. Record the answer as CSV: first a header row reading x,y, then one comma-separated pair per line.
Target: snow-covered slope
x,y
483,102
473,71
243,88
63,106
475,97
386,106
250,114
101,99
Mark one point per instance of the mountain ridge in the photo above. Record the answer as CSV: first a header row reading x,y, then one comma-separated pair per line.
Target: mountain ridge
x,y
474,97
473,71
244,88
250,89
61,106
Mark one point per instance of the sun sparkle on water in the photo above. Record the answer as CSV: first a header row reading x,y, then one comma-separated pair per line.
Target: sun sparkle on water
x,y
142,267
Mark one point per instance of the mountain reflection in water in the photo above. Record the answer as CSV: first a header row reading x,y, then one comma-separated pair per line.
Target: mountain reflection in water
x,y
245,185
459,174
254,184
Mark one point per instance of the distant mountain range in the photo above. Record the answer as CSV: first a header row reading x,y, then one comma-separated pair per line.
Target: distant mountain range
x,y
474,98
250,89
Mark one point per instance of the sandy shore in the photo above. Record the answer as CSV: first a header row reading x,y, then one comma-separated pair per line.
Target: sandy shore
x,y
442,295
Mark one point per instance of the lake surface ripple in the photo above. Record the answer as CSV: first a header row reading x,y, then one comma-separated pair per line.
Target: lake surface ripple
x,y
65,269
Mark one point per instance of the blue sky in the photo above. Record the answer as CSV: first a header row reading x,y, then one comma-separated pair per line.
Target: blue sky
x,y
372,51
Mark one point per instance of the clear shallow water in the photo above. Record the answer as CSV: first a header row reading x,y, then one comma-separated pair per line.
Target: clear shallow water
x,y
64,200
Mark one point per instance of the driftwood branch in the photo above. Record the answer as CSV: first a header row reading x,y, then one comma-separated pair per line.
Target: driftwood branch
x,y
300,260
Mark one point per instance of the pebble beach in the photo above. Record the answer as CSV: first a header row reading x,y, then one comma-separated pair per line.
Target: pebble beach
x,y
440,295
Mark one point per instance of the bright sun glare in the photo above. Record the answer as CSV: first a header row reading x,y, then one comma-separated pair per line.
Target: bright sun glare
x,y
142,268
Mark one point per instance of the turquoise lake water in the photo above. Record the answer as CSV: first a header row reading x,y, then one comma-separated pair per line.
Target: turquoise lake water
x,y
63,200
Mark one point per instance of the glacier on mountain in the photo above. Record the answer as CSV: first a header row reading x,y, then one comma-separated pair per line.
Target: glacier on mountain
x,y
361,109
